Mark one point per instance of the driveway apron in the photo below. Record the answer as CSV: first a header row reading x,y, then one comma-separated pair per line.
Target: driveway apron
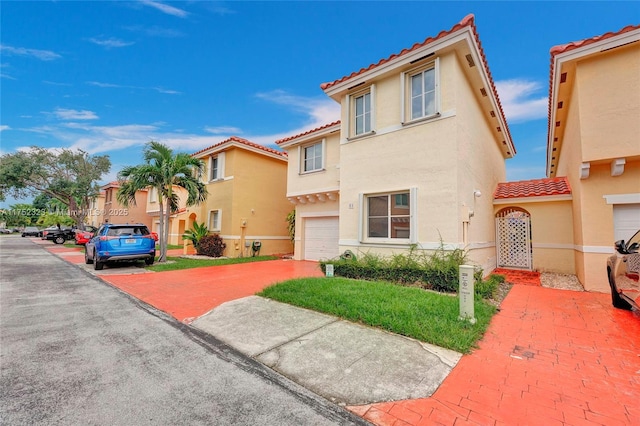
x,y
549,357
190,293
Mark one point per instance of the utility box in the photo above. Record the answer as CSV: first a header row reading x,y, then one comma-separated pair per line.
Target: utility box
x,y
466,293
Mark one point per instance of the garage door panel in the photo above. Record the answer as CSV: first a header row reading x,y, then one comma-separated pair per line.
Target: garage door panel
x,y
321,238
626,221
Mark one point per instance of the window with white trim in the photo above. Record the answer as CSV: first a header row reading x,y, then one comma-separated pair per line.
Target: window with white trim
x,y
388,216
216,167
421,98
153,195
312,157
215,220
361,112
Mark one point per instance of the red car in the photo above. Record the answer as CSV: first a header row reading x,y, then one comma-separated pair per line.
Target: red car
x,y
83,237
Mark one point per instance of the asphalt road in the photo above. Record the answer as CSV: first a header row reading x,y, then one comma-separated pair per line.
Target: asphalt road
x,y
74,350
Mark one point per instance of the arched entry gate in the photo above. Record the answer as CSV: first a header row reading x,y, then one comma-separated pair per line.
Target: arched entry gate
x,y
513,238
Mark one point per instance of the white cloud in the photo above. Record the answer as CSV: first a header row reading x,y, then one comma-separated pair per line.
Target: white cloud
x,y
124,142
4,127
166,91
519,100
72,114
320,111
43,55
156,31
165,8
110,42
7,76
123,86
222,130
54,83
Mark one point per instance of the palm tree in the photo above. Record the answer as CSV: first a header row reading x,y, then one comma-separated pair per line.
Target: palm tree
x,y
163,170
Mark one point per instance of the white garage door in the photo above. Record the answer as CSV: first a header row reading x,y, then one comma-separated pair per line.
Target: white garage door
x,y
320,238
626,221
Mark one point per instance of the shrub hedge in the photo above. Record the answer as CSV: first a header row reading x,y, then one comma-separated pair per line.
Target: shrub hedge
x,y
433,271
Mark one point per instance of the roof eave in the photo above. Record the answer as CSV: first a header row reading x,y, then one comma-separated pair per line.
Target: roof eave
x,y
563,54
310,136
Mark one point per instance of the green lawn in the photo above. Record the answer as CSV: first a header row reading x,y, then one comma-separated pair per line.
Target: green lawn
x,y
413,312
177,263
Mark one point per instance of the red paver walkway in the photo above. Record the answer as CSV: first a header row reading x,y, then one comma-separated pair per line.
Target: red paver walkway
x,y
515,276
549,357
190,293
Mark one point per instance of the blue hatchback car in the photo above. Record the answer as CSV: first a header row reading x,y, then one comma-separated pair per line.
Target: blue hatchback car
x,y
117,242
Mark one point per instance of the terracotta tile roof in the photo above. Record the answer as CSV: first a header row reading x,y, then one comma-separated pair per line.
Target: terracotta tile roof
x,y
317,129
562,48
533,188
467,21
242,142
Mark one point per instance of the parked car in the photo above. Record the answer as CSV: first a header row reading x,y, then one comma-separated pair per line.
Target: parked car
x,y
83,236
623,270
5,231
31,231
59,235
117,242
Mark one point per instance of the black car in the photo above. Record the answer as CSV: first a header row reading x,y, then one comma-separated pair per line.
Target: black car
x,y
31,231
59,235
623,269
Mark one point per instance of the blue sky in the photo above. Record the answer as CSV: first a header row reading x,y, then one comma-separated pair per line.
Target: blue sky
x,y
107,77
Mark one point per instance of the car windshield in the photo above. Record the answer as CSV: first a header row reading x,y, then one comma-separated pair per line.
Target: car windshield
x,y
30,228
634,243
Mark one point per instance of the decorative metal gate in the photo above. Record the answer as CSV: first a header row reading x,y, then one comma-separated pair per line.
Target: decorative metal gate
x,y
513,239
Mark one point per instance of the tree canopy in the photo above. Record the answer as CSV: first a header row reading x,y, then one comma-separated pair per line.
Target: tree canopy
x,y
65,175
163,170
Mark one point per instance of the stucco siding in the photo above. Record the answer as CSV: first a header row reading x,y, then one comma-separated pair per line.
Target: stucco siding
x,y
480,166
329,178
610,104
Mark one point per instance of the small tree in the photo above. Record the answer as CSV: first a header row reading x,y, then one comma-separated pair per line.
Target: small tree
x,y
64,175
196,234
163,170
291,225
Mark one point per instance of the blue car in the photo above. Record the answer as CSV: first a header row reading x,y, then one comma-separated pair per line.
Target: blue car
x,y
120,242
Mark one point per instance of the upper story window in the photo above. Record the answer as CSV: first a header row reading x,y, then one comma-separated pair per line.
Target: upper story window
x,y
216,167
153,195
421,93
312,157
361,112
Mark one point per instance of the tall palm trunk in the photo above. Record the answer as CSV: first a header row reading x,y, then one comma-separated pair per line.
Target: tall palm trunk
x,y
161,236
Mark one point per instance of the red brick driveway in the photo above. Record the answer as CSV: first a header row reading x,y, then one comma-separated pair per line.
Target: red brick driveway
x,y
190,293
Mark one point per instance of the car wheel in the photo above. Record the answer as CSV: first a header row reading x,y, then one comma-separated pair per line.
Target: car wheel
x,y
150,260
97,265
23,235
59,239
617,301
87,260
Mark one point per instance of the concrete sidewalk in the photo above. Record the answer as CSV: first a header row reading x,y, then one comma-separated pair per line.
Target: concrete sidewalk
x,y
347,363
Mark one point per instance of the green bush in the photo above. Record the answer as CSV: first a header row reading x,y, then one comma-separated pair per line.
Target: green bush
x,y
438,270
486,289
211,245
435,271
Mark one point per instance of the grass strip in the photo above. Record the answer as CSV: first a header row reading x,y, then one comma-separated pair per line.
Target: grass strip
x,y
426,316
178,263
